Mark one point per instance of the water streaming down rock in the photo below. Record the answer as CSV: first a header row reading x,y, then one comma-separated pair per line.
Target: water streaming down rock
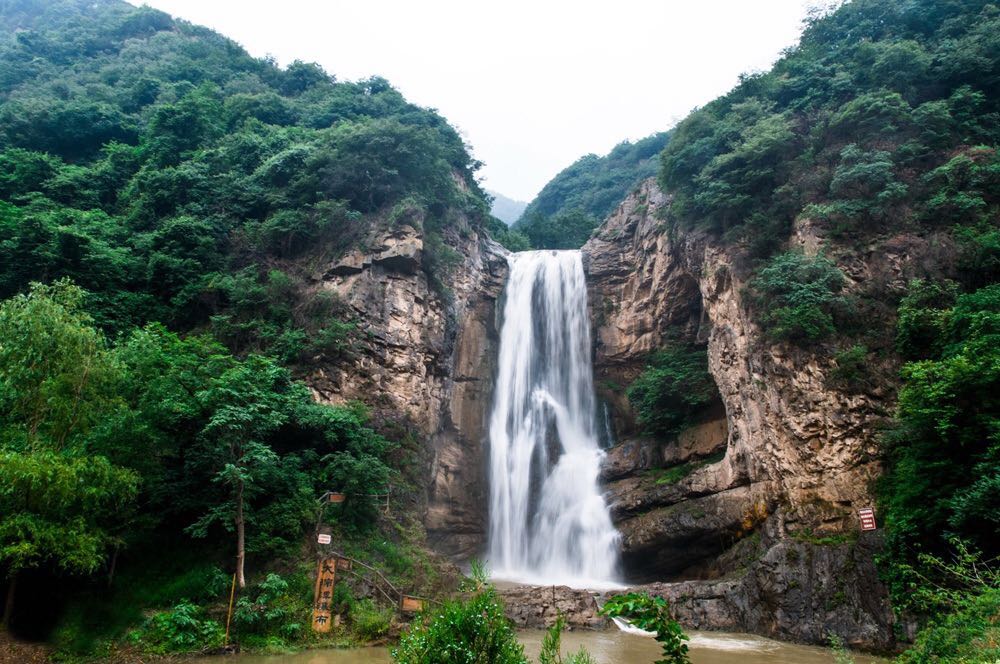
x,y
549,523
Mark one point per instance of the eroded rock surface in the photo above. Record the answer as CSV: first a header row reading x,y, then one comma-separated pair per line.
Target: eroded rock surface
x,y
798,455
537,607
427,354
794,591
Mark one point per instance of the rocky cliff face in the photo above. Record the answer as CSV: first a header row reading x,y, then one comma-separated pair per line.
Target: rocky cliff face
x,y
779,477
427,354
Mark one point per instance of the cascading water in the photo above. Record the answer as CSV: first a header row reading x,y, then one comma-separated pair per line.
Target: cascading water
x,y
549,523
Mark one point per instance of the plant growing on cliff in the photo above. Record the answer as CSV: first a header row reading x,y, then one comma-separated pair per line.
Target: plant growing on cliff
x,y
841,654
653,615
673,389
798,297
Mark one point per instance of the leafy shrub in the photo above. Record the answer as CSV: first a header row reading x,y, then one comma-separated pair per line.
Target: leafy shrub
x,y
979,258
673,389
851,370
269,608
653,615
196,584
922,318
369,621
840,653
964,597
968,635
965,188
863,189
798,296
183,628
471,631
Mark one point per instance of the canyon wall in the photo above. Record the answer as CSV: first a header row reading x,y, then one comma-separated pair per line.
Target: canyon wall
x,y
755,525
747,520
425,361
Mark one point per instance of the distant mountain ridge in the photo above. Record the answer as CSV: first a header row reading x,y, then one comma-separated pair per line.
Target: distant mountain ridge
x,y
507,210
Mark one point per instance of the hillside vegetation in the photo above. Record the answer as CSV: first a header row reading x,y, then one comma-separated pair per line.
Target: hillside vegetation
x,y
884,121
168,193
577,200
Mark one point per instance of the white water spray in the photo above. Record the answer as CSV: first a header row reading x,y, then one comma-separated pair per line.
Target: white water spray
x,y
549,523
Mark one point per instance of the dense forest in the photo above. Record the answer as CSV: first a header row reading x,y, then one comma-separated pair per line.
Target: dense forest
x,y
162,195
885,119
577,200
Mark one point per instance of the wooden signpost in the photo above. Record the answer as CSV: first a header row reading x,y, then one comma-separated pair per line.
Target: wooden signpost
x,y
867,515
326,577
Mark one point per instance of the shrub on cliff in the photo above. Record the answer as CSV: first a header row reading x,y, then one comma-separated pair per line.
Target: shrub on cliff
x,y
673,389
798,297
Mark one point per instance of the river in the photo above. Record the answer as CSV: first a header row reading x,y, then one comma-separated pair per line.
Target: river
x,y
610,647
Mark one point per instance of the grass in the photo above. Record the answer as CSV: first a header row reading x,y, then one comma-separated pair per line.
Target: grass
x,y
806,535
675,474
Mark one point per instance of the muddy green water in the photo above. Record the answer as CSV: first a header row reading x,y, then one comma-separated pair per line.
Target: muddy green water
x,y
611,647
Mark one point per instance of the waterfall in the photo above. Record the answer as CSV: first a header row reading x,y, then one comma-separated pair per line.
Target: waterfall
x,y
549,523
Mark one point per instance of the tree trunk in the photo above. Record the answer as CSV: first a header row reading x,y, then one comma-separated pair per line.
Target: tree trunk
x,y
240,536
8,608
114,564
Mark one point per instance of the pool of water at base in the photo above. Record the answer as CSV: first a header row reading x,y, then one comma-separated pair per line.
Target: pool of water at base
x,y
610,647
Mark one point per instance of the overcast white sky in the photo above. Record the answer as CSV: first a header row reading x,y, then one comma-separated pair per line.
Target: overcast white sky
x,y
531,84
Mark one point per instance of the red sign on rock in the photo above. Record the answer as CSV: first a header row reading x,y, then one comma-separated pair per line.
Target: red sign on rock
x,y
867,515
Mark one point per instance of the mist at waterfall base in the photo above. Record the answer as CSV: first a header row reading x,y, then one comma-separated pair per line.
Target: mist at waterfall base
x,y
549,523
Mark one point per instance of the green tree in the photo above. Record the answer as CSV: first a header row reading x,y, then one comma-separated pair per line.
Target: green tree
x,y
798,296
57,378
58,509
248,404
58,382
673,390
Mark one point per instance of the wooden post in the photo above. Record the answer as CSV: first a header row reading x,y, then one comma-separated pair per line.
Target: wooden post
x,y
229,616
326,578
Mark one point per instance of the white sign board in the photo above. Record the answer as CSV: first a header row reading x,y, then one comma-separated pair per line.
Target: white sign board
x,y
323,538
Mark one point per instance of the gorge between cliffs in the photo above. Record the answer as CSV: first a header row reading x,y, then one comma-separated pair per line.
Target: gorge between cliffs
x,y
775,462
